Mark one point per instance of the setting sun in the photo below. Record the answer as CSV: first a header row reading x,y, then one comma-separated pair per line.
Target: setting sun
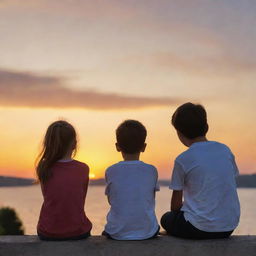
x,y
92,176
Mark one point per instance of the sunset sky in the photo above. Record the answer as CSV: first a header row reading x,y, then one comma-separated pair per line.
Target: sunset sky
x,y
97,63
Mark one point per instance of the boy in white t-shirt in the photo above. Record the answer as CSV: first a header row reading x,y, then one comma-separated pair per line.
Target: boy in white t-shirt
x,y
205,175
130,188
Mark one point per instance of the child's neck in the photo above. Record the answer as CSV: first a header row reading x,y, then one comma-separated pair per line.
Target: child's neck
x,y
131,157
67,156
198,139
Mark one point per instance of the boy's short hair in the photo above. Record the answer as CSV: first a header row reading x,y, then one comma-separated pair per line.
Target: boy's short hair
x,y
131,136
190,120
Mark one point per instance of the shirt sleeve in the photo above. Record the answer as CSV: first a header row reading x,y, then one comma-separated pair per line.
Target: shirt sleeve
x,y
236,170
157,186
107,188
178,177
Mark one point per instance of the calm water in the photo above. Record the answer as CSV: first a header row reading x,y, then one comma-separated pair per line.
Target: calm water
x,y
27,201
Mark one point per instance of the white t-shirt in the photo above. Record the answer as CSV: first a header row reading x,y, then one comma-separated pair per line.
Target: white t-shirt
x,y
131,187
206,173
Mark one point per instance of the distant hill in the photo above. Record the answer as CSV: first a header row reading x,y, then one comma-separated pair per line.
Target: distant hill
x,y
246,181
6,181
243,181
97,182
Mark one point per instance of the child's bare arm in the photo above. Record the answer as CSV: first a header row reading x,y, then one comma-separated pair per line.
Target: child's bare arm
x,y
176,202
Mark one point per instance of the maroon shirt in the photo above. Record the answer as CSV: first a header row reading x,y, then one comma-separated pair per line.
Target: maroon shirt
x,y
62,214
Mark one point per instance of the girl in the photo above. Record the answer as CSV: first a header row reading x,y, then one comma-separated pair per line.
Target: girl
x,y
64,184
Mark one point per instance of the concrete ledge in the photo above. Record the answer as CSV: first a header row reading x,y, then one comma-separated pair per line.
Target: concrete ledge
x,y
100,246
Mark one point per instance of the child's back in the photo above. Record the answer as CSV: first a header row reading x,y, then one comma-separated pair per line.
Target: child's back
x,y
64,184
131,189
62,214
131,186
206,174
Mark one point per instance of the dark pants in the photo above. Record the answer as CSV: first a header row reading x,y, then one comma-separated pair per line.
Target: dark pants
x,y
83,236
176,225
104,233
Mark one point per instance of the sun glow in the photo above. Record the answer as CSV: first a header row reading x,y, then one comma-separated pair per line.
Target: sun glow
x,y
92,176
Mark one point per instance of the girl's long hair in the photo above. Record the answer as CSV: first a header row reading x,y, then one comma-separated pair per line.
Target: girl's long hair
x,y
59,137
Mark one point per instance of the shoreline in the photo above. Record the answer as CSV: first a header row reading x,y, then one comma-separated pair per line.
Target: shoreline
x,y
243,181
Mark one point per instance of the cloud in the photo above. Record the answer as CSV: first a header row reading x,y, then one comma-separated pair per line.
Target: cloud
x,y
217,64
78,8
23,89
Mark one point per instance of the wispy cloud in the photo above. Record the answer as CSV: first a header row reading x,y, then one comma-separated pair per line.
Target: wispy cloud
x,y
79,8
21,89
220,64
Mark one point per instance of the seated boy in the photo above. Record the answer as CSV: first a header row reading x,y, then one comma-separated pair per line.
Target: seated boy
x,y
205,174
131,186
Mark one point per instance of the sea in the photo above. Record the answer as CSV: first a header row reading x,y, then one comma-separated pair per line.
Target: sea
x,y
28,200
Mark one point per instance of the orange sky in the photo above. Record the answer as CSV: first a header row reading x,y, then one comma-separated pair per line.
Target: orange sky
x,y
97,63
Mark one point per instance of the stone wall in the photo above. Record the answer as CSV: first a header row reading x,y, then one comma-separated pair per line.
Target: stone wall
x,y
100,246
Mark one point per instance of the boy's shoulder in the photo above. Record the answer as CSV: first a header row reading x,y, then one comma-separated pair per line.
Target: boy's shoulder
x,y
222,145
219,146
182,156
149,166
192,149
129,164
146,165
